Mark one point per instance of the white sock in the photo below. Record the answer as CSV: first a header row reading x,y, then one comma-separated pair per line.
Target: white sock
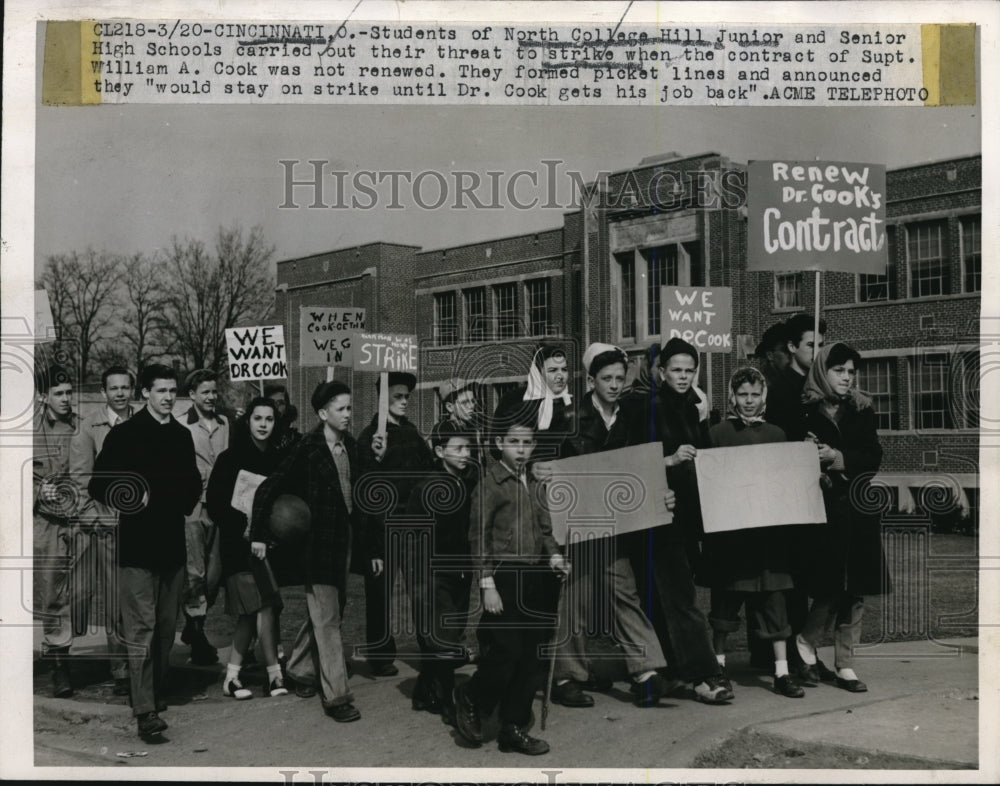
x,y
806,651
722,660
562,682
232,671
846,674
273,672
780,668
644,677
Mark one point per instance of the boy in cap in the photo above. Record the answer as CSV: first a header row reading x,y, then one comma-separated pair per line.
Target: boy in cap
x,y
402,455
441,594
460,399
321,470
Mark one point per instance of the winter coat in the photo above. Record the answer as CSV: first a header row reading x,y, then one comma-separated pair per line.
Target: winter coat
x,y
845,553
234,548
677,423
310,472
747,560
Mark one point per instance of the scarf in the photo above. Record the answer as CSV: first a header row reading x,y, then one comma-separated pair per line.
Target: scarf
x,y
817,387
538,389
734,410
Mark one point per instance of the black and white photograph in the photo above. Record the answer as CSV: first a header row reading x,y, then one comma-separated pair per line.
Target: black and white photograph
x,y
599,392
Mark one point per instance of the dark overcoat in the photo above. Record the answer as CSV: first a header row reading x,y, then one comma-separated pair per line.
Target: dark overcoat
x,y
309,472
845,553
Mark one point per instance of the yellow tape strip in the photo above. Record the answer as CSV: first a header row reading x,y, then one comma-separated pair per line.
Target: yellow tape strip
x,y
68,76
949,64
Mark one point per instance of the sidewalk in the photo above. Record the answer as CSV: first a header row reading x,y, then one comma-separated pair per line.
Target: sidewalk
x,y
921,710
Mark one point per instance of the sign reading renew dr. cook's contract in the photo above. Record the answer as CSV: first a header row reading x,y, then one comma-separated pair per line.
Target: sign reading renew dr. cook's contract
x,y
702,317
816,215
254,353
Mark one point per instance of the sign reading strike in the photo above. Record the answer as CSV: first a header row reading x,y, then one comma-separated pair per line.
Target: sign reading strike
x,y
702,317
384,352
816,215
325,335
256,353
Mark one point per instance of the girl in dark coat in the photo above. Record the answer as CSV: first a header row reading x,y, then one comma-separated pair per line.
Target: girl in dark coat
x,y
844,560
750,565
253,603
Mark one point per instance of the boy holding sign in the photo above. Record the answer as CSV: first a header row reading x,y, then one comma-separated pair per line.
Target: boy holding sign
x,y
402,453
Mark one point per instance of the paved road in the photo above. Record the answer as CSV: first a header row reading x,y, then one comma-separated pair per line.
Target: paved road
x,y
922,703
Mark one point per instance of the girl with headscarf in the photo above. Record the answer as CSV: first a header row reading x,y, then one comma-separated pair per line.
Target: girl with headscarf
x,y
547,400
844,560
749,566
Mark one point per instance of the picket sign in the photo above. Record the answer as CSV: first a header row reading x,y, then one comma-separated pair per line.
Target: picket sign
x,y
384,352
816,215
256,353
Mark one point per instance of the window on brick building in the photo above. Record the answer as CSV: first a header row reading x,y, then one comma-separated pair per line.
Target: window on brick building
x,y
505,307
877,378
476,324
626,264
879,287
931,404
445,318
661,270
966,408
788,290
972,254
926,257
539,295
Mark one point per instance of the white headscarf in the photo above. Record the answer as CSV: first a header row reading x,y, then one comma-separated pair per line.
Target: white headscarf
x,y
538,389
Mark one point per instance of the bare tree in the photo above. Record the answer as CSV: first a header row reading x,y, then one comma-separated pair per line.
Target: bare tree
x,y
82,289
208,293
145,299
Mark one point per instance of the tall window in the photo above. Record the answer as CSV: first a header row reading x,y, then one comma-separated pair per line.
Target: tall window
x,y
539,294
626,264
477,328
877,378
788,290
445,318
966,396
927,260
508,319
931,406
873,288
972,253
661,270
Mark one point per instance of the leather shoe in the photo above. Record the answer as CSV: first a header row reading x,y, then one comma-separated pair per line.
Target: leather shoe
x,y
424,699
807,676
344,713
151,724
786,686
384,669
825,674
569,695
122,687
854,686
513,738
467,717
304,690
649,692
62,685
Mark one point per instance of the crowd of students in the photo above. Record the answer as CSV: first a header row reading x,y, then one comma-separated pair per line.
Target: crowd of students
x,y
466,508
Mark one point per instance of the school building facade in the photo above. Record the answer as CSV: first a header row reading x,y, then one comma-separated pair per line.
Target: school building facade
x,y
480,309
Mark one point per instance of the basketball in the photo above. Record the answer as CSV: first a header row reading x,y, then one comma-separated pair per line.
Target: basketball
x,y
290,518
